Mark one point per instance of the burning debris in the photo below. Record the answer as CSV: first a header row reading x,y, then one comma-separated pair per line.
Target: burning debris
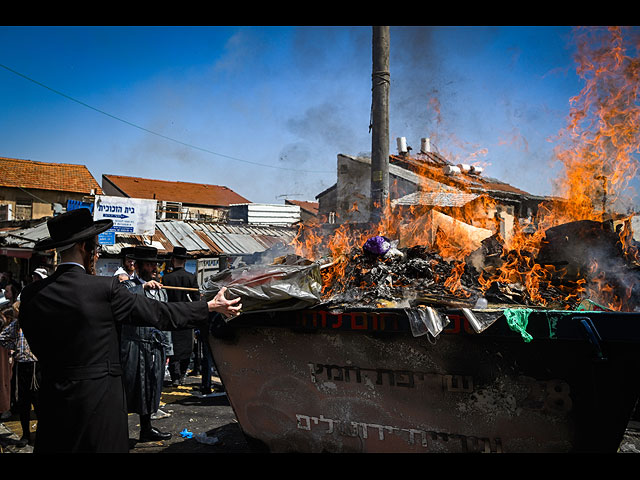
x,y
579,265
399,277
571,264
440,252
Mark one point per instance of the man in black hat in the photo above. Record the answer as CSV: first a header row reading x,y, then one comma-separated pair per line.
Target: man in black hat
x,y
71,321
144,350
182,340
128,263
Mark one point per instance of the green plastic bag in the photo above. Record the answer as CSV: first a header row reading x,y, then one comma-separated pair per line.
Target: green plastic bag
x,y
517,319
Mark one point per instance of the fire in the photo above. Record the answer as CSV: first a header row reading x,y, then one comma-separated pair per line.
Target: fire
x,y
597,152
599,143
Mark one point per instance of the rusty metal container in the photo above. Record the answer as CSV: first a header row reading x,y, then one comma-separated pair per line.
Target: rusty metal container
x,y
360,381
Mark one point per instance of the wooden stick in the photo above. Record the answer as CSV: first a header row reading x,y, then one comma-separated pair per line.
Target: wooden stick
x,y
188,289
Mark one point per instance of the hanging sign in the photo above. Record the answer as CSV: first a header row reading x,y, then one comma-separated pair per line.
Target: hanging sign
x,y
130,216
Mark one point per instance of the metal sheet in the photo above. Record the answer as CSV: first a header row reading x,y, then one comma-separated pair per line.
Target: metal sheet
x,y
24,237
181,233
201,238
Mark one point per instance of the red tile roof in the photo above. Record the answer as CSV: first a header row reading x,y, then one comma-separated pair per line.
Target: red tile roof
x,y
430,166
311,207
185,192
62,177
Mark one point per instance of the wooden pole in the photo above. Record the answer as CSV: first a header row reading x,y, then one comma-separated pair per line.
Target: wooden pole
x,y
380,123
188,289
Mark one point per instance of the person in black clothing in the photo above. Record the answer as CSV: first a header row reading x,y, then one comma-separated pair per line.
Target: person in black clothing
x,y
144,350
182,339
71,321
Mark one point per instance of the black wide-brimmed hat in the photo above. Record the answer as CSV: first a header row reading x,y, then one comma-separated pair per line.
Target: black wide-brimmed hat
x,y
143,253
179,252
72,227
126,252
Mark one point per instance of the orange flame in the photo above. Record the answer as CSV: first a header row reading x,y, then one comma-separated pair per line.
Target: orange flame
x,y
596,152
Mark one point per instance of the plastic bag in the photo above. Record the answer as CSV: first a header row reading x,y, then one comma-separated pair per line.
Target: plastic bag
x,y
517,319
204,438
268,287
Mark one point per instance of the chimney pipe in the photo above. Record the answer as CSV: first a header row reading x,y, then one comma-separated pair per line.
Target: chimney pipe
x,y
402,145
425,145
380,123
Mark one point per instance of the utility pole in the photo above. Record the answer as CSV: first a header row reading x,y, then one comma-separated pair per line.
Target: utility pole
x,y
380,123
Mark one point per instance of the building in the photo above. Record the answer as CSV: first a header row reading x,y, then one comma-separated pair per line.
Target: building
x,y
30,193
176,200
308,210
30,190
429,181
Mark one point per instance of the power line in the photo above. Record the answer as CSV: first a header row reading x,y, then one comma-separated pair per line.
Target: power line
x,y
156,133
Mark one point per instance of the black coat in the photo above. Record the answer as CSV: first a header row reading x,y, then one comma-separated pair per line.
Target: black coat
x,y
142,357
71,321
182,339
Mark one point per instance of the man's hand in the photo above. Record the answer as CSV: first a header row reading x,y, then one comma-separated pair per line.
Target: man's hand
x,y
152,284
229,308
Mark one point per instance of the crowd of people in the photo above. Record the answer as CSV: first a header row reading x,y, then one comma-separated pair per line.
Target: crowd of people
x,y
104,350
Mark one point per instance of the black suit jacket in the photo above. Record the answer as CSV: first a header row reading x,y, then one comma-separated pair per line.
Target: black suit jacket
x,y
182,339
71,321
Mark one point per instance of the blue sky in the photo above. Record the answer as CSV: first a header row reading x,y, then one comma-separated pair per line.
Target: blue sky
x,y
266,110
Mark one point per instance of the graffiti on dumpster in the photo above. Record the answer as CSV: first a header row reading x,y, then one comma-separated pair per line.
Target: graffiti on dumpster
x,y
393,378
372,321
425,438
368,321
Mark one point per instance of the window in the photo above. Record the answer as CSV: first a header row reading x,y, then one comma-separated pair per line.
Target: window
x,y
24,209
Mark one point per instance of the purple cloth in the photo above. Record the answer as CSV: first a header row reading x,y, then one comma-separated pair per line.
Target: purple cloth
x,y
377,245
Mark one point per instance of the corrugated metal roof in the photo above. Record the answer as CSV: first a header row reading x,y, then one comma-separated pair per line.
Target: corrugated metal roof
x,y
181,233
246,239
209,238
24,237
198,238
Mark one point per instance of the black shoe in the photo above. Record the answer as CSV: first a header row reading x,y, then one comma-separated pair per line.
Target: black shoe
x,y
23,442
154,435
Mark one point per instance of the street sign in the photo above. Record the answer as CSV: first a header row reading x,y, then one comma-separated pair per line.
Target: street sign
x,y
107,238
130,216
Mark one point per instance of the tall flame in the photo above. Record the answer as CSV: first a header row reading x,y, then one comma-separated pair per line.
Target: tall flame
x,y
597,152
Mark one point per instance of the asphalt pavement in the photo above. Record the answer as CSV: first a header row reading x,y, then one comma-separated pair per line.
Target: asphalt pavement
x,y
203,425
197,424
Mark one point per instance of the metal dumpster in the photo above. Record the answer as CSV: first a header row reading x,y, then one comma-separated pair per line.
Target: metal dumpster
x,y
318,380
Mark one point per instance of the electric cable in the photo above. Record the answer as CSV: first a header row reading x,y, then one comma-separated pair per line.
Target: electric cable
x,y
156,133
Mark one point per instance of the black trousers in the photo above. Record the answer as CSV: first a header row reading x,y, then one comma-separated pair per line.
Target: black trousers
x,y
27,384
178,367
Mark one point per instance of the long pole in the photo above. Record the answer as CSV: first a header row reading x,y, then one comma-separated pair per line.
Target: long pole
x,y
187,289
380,122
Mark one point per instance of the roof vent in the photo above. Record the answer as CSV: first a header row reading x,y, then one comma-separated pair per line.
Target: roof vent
x,y
451,170
425,145
402,145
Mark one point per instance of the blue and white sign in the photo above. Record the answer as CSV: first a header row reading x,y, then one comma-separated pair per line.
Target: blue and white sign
x,y
130,216
107,238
